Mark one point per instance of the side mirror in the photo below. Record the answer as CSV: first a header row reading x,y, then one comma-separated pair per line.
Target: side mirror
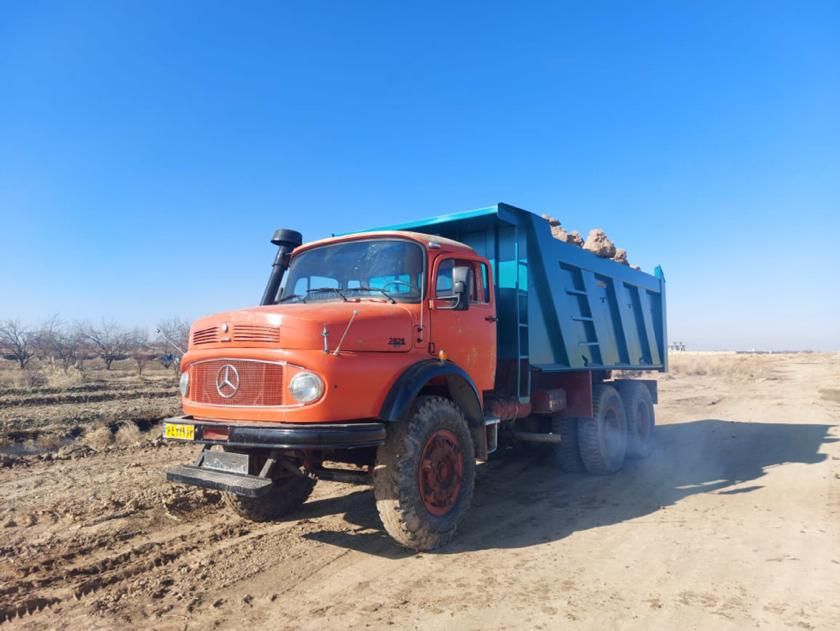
x,y
461,277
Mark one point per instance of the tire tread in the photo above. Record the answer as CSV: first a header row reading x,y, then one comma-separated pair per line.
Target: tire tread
x,y
631,392
397,492
590,432
281,500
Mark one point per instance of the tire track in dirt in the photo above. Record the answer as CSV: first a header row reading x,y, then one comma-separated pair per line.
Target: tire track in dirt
x,y
154,565
75,575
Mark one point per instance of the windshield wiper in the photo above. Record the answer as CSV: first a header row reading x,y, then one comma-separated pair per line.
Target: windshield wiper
x,y
321,290
381,291
318,290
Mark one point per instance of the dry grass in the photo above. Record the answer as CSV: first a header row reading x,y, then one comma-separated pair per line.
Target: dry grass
x,y
98,437
39,377
103,435
49,442
41,373
724,365
127,434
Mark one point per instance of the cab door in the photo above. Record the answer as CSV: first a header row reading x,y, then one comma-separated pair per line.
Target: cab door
x,y
467,337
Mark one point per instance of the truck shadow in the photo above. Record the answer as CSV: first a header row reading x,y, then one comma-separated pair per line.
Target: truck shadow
x,y
522,499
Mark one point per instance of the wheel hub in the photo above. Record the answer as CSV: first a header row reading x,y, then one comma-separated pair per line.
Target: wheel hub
x,y
441,472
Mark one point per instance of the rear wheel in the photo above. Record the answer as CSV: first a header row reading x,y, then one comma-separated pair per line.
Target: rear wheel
x,y
603,438
425,474
566,453
287,493
638,407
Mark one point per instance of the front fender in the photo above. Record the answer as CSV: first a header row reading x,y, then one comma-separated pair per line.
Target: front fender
x,y
416,377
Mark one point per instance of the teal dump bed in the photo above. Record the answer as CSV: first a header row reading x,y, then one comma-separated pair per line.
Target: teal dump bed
x,y
560,307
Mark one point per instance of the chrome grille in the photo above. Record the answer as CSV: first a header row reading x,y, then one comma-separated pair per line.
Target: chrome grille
x,y
260,383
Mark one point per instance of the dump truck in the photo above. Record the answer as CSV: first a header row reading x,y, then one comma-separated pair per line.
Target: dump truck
x,y
402,357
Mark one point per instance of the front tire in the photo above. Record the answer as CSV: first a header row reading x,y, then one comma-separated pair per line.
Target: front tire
x,y
284,497
425,474
287,493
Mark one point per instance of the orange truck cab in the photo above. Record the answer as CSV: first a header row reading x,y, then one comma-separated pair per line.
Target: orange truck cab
x,y
398,358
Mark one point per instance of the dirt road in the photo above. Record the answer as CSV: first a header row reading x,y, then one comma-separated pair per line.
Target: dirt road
x,y
733,522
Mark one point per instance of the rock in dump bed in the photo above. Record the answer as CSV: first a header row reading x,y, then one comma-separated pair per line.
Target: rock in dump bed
x,y
596,242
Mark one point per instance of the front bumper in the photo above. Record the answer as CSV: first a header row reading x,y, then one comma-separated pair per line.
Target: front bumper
x,y
320,436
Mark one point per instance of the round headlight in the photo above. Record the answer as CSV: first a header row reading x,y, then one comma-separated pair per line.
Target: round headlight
x,y
306,387
184,384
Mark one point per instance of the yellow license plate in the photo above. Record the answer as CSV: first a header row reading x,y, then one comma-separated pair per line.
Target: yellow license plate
x,y
181,432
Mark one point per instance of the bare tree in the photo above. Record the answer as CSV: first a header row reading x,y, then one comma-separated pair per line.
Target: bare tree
x,y
17,342
47,338
84,351
66,345
144,351
111,341
141,358
176,332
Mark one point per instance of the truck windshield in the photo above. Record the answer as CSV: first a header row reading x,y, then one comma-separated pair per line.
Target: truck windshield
x,y
380,269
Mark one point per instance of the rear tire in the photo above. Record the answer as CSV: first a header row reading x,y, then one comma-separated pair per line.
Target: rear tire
x,y
425,474
567,452
641,420
603,438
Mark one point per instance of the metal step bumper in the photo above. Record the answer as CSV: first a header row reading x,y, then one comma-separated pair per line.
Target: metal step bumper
x,y
240,484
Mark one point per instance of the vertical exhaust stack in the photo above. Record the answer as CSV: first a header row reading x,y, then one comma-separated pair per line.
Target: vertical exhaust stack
x,y
286,241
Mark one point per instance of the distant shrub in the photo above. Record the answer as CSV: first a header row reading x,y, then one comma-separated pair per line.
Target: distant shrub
x,y
127,434
98,437
33,378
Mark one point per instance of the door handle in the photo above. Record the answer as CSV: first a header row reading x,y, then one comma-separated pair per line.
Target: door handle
x,y
491,318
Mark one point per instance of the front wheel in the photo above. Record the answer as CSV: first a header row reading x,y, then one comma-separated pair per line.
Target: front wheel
x,y
287,493
425,474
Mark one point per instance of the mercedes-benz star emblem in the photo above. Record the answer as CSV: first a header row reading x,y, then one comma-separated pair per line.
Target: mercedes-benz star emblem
x,y
227,381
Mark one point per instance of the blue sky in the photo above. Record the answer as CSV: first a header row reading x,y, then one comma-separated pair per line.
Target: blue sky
x,y
148,149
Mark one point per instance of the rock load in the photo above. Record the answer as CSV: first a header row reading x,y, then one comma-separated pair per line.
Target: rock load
x,y
599,244
559,233
596,242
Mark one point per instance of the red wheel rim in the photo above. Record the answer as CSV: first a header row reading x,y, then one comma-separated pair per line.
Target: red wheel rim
x,y
441,472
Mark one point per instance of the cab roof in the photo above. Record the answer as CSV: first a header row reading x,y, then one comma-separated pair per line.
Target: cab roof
x,y
422,230
426,240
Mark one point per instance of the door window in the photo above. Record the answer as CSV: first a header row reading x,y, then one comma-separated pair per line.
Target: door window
x,y
484,276
443,280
